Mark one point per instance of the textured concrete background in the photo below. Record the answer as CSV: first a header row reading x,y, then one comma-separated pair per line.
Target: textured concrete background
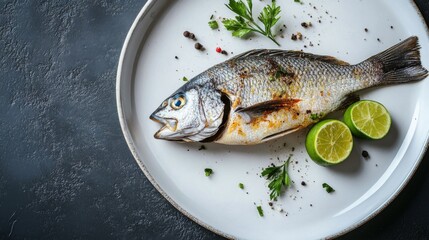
x,y
65,169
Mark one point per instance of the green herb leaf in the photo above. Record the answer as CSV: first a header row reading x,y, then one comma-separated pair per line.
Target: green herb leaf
x,y
260,211
185,79
286,178
208,172
316,116
328,188
241,186
269,16
240,8
237,26
269,172
299,1
244,22
234,24
213,24
249,3
279,177
241,32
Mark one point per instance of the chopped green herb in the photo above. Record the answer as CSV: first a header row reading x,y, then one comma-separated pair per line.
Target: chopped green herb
x,y
185,79
208,172
260,211
211,17
240,185
244,22
316,116
298,1
281,73
279,177
328,188
213,24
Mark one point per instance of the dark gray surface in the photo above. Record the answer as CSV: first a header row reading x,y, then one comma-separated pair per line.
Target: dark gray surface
x,y
65,169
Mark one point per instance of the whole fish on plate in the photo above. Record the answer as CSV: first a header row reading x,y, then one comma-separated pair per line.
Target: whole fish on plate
x,y
264,94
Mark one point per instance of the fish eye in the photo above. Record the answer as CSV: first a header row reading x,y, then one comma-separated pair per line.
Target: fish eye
x,y
178,102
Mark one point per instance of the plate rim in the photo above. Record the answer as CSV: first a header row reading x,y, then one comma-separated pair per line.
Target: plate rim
x,y
125,130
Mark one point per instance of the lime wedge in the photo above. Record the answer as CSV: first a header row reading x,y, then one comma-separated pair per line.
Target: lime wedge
x,y
368,119
329,142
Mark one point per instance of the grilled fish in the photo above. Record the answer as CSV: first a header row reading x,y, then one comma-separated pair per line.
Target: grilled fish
x,y
265,94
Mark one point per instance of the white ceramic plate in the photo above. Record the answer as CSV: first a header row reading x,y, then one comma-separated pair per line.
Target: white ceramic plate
x,y
148,72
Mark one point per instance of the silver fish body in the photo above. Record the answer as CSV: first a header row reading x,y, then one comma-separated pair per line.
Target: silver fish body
x,y
264,94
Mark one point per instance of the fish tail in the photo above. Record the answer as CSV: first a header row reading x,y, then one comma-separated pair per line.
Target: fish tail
x,y
401,63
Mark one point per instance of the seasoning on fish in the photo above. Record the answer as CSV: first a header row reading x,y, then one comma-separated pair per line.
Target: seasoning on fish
x,y
265,94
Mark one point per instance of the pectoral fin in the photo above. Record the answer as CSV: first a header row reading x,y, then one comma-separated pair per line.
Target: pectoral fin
x,y
268,106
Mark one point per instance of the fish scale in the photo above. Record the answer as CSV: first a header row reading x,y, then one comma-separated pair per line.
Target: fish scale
x,y
310,81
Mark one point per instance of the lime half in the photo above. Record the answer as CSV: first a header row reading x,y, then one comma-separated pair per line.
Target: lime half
x,y
368,119
329,142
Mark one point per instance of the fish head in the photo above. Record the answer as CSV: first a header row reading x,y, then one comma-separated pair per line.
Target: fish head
x,y
191,114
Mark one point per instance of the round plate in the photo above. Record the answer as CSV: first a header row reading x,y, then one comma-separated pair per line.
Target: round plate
x,y
149,72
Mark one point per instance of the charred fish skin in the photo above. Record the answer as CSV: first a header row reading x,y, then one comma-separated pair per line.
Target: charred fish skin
x,y
265,94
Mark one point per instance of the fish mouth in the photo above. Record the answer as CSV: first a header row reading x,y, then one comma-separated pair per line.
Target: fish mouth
x,y
169,126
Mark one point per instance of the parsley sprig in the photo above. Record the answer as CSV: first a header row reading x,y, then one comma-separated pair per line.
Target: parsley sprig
x,y
244,23
279,177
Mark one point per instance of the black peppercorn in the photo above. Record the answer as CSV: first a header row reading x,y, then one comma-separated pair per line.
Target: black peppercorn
x,y
198,46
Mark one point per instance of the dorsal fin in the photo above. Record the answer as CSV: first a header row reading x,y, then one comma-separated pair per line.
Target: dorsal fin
x,y
283,53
